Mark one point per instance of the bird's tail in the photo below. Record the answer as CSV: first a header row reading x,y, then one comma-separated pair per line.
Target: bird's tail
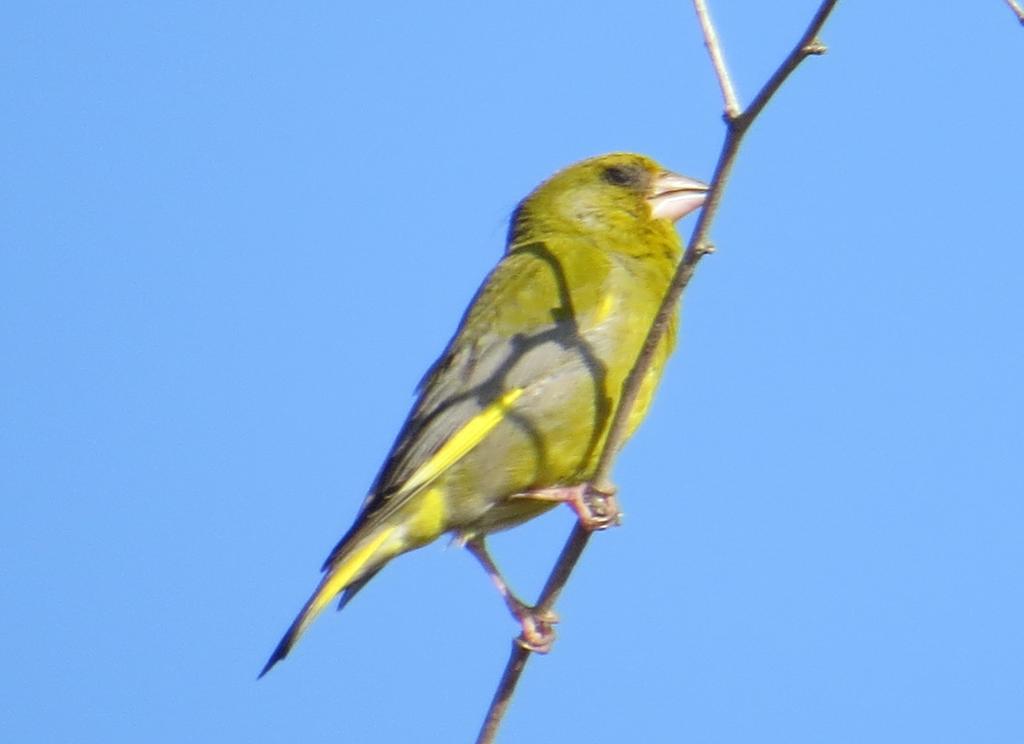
x,y
357,557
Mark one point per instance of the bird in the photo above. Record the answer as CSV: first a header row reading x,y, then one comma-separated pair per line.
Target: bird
x,y
512,417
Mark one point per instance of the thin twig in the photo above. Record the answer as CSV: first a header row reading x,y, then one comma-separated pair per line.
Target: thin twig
x,y
1017,10
503,695
808,46
698,246
732,103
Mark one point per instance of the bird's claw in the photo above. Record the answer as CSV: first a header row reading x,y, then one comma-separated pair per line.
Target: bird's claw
x,y
595,508
538,630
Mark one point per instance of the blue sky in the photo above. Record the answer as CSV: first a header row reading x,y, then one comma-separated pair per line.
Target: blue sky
x,y
235,235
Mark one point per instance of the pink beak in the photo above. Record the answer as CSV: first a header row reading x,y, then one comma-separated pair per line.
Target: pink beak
x,y
674,196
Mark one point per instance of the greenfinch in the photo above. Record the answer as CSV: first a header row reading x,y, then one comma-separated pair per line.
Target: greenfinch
x,y
512,417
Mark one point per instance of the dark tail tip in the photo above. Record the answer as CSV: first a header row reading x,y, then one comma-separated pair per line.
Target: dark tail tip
x,y
279,653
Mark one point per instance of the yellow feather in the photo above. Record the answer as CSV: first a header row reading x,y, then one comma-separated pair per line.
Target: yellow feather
x,y
341,575
462,441
337,579
427,517
604,310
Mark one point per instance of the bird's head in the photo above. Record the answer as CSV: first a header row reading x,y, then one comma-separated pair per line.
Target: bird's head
x,y
609,197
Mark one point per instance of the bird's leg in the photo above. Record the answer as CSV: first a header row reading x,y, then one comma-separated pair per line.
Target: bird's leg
x,y
537,635
595,508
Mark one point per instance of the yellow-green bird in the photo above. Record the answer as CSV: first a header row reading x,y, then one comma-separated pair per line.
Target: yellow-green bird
x,y
511,418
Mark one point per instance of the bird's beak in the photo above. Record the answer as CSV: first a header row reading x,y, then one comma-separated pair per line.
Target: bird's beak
x,y
672,196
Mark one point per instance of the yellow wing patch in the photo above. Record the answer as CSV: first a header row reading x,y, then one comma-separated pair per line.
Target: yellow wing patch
x,y
604,309
462,441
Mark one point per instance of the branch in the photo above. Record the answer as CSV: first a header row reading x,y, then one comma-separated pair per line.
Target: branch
x,y
1017,10
737,122
732,103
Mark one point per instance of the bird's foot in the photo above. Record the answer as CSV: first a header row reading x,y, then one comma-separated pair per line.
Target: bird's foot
x,y
596,509
538,633
538,628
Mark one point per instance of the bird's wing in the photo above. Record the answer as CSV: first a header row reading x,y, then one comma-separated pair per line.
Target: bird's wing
x,y
520,329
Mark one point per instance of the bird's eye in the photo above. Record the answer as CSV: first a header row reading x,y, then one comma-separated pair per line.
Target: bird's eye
x,y
619,176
